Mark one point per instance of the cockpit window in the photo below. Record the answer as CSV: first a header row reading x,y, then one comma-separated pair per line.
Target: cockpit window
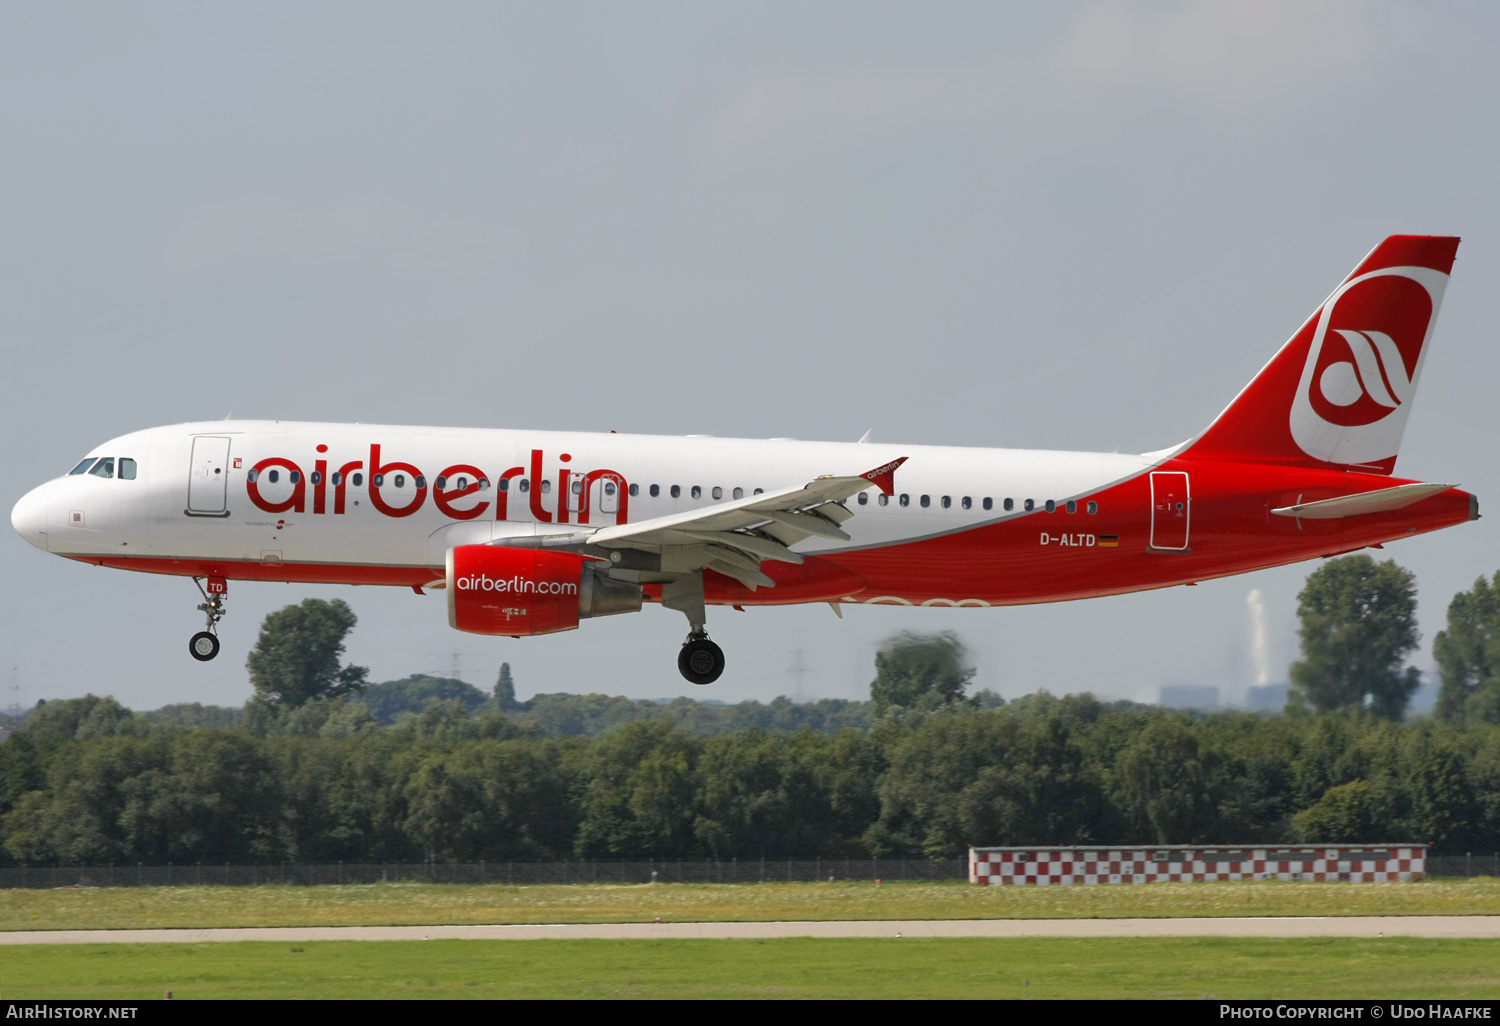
x,y
104,468
86,464
127,468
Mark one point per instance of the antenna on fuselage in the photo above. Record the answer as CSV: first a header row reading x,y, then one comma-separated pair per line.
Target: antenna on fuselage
x,y
865,437
231,411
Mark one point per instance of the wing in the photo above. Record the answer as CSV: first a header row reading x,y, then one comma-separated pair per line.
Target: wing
x,y
734,537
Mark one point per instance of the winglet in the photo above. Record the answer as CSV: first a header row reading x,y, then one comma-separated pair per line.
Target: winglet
x,y
884,477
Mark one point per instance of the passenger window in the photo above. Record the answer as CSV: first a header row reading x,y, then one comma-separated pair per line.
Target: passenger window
x,y
926,501
1051,506
484,484
315,477
947,502
655,491
697,492
546,487
356,479
718,492
989,503
505,484
905,499
864,498
1072,506
400,481
883,499
336,478
577,486
82,466
1010,504
1093,508
634,490
968,503
420,481
252,475
104,468
1030,505
609,488
525,484
759,490
440,482
127,468
275,476
677,491
295,477
739,493
463,483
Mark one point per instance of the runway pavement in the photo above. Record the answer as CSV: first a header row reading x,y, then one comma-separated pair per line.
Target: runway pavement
x,y
1362,926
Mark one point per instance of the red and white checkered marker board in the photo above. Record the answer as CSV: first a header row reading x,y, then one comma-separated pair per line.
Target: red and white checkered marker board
x,y
1180,864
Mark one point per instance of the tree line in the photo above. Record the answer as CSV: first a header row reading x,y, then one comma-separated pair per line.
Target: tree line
x,y
321,766
88,781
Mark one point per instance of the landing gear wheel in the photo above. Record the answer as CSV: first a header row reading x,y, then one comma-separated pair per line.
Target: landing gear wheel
x,y
700,661
204,646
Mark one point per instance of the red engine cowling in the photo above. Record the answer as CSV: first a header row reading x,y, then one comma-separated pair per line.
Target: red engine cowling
x,y
497,590
494,589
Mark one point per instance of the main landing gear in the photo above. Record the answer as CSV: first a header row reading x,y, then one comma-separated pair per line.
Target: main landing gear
x,y
204,645
700,661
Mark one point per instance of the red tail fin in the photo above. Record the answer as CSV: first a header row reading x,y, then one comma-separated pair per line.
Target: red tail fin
x,y
1340,390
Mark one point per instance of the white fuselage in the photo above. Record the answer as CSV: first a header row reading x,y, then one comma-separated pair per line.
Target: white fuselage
x,y
151,516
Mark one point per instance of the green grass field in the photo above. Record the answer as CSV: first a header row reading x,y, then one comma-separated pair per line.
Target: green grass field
x,y
793,968
426,904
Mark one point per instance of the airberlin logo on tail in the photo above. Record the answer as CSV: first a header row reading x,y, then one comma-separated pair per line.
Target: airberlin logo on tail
x,y
1378,373
1362,365
516,585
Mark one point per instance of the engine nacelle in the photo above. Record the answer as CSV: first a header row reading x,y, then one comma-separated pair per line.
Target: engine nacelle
x,y
494,589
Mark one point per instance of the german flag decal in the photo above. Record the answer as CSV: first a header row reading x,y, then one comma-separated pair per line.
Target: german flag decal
x,y
1109,541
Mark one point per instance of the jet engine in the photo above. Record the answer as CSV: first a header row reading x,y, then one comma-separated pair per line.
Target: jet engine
x,y
496,589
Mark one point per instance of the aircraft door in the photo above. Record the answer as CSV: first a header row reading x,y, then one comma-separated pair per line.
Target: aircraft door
x,y
1171,510
608,490
208,477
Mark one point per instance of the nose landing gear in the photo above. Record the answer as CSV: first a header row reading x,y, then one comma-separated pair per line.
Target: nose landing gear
x,y
204,645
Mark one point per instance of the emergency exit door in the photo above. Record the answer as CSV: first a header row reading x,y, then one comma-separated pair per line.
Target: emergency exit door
x,y
609,496
604,496
1171,510
208,477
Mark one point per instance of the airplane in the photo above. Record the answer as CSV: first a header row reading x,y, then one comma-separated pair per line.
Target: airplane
x,y
531,532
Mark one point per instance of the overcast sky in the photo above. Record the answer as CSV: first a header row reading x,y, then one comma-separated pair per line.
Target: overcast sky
x,y
1078,226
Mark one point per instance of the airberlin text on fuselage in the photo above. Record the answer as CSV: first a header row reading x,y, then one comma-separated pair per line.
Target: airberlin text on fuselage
x,y
519,585
453,489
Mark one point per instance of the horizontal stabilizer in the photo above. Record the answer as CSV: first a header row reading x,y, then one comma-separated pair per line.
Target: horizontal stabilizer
x,y
1382,500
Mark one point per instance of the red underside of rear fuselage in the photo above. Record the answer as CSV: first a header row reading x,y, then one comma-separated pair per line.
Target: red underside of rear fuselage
x,y
1231,531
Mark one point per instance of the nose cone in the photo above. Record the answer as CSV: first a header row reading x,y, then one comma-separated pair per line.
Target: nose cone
x,y
29,517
